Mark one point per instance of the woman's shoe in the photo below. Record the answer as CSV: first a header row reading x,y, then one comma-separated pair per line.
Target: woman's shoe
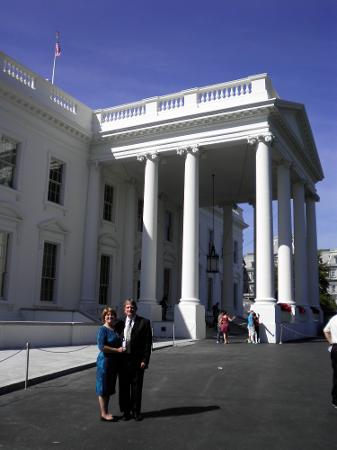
x,y
113,419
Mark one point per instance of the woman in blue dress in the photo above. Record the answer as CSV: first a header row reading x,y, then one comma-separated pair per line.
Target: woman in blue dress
x,y
109,344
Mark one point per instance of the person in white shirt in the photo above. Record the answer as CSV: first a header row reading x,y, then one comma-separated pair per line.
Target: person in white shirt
x,y
330,332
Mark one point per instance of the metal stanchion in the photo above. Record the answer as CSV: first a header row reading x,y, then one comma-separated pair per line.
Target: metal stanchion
x,y
173,335
152,339
281,332
27,364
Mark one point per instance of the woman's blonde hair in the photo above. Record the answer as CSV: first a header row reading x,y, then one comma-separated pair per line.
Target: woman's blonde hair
x,y
107,310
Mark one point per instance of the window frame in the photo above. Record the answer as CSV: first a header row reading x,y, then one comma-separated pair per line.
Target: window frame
x,y
15,166
54,279
168,225
5,273
106,286
59,184
108,205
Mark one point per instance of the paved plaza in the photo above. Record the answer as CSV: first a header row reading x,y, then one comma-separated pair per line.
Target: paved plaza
x,y
196,396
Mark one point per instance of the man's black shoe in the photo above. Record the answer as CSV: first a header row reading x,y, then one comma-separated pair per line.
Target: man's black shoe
x,y
138,417
126,416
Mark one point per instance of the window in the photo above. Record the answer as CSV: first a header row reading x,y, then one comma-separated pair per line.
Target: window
x,y
167,283
55,191
138,289
3,261
209,294
168,226
140,215
108,202
235,254
332,274
210,240
333,288
235,295
104,280
48,272
8,152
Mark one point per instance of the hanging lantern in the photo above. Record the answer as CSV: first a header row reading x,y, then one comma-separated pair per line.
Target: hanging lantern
x,y
212,257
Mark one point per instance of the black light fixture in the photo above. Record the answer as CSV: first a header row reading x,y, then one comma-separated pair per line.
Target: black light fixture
x,y
212,257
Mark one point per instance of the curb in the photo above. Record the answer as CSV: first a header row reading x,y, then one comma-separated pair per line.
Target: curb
x,y
49,376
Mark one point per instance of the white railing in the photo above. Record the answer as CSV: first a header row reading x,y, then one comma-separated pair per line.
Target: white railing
x,y
42,92
123,113
171,103
208,98
17,72
62,100
214,94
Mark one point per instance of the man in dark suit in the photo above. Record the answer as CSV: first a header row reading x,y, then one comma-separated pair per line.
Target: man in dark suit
x,y
135,359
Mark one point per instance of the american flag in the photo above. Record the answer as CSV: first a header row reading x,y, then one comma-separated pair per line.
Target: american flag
x,y
57,45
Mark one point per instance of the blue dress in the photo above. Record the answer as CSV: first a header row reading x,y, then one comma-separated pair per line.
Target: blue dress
x,y
107,363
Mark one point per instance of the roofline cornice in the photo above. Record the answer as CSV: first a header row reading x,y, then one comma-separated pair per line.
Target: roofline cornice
x,y
49,116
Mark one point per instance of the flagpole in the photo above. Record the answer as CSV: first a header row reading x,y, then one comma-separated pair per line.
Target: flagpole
x,y
52,77
57,52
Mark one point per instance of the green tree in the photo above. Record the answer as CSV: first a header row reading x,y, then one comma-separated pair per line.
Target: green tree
x,y
327,303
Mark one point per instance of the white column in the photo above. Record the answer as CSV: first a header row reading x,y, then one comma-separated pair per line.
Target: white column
x,y
227,290
129,240
189,314
312,251
89,270
285,276
264,223
148,306
190,251
300,236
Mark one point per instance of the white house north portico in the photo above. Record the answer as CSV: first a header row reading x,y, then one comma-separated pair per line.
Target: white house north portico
x,y
164,151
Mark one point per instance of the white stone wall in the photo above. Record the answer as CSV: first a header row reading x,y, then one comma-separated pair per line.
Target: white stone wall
x,y
329,257
30,219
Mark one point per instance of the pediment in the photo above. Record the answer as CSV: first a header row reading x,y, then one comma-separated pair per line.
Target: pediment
x,y
295,116
10,211
108,240
52,226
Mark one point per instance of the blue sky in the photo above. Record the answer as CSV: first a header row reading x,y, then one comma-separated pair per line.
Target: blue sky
x,y
115,52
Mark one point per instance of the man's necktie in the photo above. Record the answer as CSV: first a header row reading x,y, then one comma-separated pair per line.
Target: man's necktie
x,y
128,330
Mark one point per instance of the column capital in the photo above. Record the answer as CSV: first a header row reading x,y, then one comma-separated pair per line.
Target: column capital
x,y
151,156
194,149
267,138
310,195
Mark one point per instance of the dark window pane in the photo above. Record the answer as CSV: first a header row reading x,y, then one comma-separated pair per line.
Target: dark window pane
x,y
55,181
48,272
7,161
104,280
108,203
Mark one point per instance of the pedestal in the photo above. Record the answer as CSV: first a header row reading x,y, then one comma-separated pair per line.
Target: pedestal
x,y
189,320
269,316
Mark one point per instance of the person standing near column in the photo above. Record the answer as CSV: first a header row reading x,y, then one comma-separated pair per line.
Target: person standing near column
x,y
135,359
330,332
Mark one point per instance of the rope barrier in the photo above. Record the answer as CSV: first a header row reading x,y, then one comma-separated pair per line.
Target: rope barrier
x,y
11,356
293,331
51,351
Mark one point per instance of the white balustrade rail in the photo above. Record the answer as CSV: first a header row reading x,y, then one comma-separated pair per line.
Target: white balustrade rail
x,y
17,72
225,95
62,100
43,92
192,101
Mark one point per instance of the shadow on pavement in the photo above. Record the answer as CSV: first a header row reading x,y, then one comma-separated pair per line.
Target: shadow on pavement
x,y
180,411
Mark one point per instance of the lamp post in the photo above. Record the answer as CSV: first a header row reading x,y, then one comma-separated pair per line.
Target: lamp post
x,y
212,257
